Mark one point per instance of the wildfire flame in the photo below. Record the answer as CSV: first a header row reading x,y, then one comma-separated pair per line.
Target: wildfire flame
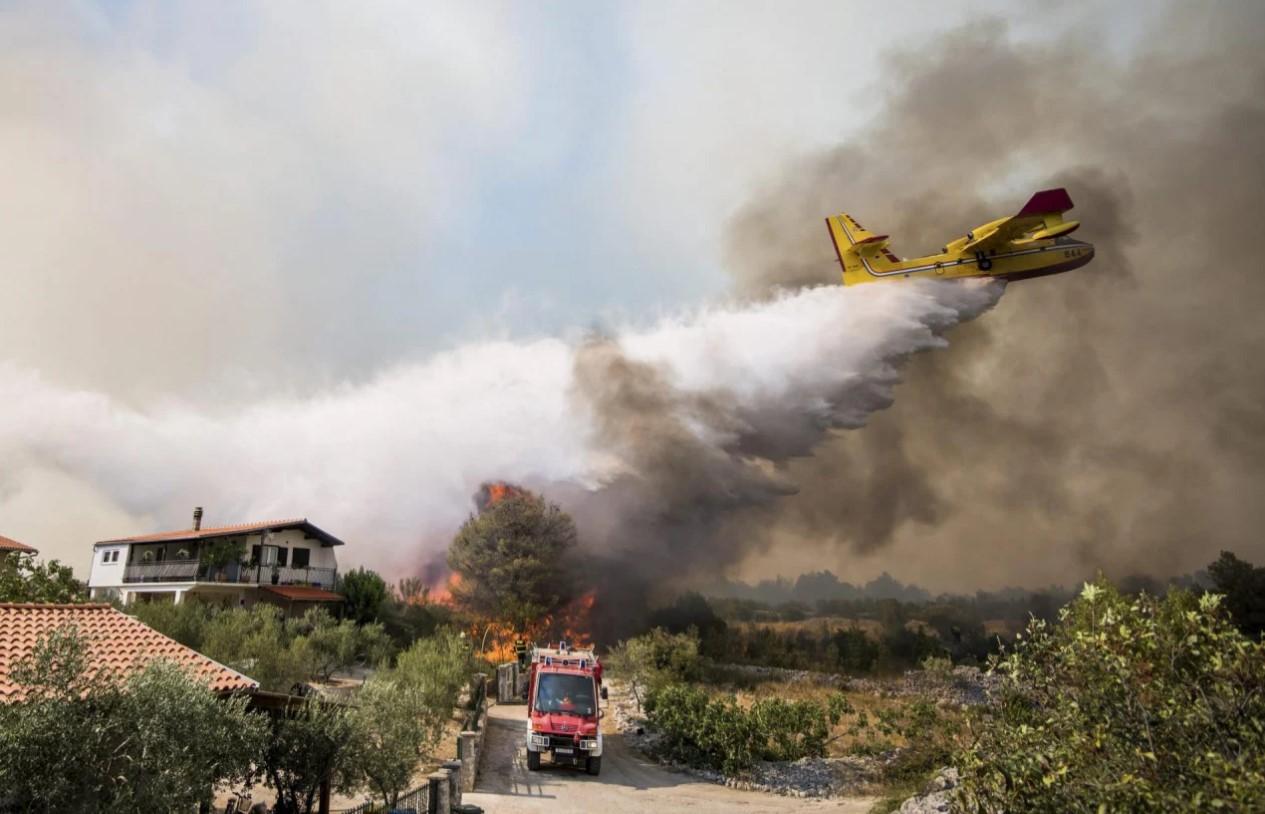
x,y
496,640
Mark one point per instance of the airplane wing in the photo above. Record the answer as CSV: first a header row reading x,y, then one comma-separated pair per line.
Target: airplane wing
x,y
1040,219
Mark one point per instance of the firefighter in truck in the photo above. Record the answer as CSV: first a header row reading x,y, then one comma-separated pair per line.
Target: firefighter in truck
x,y
564,690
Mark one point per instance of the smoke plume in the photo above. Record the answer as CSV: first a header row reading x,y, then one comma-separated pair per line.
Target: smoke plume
x,y
666,428
1111,418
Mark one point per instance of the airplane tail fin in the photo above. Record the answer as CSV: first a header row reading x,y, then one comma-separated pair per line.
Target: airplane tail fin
x,y
860,251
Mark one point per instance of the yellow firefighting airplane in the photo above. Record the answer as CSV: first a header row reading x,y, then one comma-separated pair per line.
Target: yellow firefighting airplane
x,y
1032,243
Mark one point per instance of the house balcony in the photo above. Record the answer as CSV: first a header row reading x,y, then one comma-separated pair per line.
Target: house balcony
x,y
233,574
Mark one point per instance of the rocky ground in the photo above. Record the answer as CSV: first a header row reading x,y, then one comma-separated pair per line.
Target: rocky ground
x,y
936,798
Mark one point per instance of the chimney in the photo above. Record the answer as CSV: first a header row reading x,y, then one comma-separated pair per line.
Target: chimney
x,y
197,518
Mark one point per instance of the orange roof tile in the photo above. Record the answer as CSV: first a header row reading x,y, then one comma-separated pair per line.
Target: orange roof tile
x,y
304,593
13,545
116,643
226,531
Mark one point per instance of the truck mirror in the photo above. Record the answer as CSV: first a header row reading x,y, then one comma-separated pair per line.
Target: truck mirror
x,y
605,694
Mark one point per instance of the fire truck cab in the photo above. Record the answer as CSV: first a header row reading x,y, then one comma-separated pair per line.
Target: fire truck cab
x,y
564,691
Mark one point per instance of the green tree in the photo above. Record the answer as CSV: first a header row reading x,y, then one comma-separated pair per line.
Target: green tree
x,y
653,660
336,645
186,622
366,593
1130,704
23,580
257,642
1244,589
439,668
390,742
514,561
89,742
399,714
305,745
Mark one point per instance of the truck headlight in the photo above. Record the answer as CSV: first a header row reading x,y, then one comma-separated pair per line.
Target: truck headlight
x,y
589,745
539,740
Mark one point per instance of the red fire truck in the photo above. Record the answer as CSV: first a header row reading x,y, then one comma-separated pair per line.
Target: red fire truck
x,y
564,690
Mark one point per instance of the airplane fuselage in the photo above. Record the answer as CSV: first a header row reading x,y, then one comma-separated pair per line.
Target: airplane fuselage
x,y
1047,257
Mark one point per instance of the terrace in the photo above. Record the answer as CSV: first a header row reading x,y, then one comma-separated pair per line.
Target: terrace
x,y
223,561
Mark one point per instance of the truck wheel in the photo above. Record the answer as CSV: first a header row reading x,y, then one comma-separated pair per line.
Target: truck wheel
x,y
533,760
593,766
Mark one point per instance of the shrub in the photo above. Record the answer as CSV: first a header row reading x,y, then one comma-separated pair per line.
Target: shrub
x,y
1126,704
655,659
717,733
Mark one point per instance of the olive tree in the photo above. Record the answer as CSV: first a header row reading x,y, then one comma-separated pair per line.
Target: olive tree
x,y
83,741
1125,704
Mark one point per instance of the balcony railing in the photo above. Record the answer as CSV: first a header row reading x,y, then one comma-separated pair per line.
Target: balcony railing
x,y
233,573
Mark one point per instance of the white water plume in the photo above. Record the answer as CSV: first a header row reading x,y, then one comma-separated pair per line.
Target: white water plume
x,y
390,465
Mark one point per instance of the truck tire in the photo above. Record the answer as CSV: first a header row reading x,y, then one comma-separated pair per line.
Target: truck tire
x,y
593,766
533,760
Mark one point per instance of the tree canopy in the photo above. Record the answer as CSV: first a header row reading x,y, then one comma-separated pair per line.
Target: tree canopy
x,y
366,592
1125,704
94,742
514,561
23,580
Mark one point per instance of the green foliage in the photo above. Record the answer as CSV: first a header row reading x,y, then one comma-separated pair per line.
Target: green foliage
x,y
24,580
155,741
366,593
185,622
334,645
1244,589
691,611
304,746
389,740
1126,704
406,622
655,659
256,642
438,667
514,562
399,714
717,733
222,552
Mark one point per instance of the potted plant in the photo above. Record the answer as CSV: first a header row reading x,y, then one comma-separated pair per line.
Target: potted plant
x,y
147,556
219,554
183,554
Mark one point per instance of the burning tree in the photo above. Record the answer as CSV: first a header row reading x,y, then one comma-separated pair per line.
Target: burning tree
x,y
512,561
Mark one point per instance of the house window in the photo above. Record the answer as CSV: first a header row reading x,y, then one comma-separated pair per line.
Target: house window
x,y
281,556
254,555
301,557
114,556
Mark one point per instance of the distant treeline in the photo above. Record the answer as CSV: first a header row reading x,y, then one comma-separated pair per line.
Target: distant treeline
x,y
885,625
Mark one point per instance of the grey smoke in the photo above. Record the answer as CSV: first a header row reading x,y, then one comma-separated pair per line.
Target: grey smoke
x,y
1111,418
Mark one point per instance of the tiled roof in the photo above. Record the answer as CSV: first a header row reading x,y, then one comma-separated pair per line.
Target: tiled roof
x,y
115,641
228,531
303,593
13,545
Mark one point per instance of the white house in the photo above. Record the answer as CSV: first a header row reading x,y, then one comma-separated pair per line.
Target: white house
x,y
286,562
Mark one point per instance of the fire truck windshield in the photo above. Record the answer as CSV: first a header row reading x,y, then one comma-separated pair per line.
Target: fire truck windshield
x,y
565,693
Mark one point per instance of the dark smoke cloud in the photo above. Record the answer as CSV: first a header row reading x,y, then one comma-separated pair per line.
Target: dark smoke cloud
x,y
1110,418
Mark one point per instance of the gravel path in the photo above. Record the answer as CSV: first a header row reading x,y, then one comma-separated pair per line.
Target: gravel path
x,y
628,783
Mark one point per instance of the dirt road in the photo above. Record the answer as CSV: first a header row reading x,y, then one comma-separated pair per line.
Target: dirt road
x,y
628,783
